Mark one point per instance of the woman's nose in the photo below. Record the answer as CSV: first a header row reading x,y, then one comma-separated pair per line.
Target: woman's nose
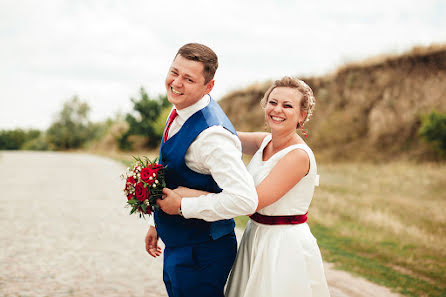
x,y
277,108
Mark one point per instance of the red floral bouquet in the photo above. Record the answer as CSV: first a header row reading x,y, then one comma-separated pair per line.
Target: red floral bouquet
x,y
144,183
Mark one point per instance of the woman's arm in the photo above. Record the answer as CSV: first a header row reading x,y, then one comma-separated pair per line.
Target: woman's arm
x,y
251,141
285,175
186,192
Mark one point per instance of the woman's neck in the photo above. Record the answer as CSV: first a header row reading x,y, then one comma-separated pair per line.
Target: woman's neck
x,y
280,141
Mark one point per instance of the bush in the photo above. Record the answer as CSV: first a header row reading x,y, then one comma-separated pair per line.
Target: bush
x,y
433,130
36,144
15,139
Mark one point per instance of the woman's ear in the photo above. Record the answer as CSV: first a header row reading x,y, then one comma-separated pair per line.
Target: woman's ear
x,y
303,116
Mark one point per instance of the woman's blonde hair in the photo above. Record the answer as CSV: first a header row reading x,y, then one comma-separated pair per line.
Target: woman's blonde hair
x,y
306,104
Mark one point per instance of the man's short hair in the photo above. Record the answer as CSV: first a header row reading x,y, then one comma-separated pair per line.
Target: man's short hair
x,y
201,53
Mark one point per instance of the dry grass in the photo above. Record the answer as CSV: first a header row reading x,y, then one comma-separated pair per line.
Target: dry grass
x,y
401,198
392,215
389,57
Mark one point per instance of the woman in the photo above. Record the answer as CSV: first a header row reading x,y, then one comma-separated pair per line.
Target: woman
x,y
278,255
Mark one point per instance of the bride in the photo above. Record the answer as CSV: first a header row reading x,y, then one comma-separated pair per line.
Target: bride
x,y
278,255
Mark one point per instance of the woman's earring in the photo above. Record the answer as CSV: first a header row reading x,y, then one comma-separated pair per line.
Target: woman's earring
x,y
303,131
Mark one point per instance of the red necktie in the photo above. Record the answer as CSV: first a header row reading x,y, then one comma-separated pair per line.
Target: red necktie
x,y
172,116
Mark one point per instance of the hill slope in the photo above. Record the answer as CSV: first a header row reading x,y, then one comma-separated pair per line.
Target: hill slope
x,y
369,110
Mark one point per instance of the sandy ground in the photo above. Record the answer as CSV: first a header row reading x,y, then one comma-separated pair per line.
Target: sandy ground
x,y
66,232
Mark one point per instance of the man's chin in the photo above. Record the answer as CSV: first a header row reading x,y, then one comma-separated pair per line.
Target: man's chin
x,y
173,100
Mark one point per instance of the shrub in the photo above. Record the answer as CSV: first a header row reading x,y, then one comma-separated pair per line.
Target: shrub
x,y
14,139
433,130
36,144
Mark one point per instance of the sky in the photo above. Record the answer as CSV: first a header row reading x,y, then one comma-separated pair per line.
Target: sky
x,y
104,51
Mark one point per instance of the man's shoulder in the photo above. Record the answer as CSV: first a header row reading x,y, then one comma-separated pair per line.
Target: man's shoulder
x,y
216,138
217,131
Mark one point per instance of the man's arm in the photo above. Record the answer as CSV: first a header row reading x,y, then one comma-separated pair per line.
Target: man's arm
x,y
217,151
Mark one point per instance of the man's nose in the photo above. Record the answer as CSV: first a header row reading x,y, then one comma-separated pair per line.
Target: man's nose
x,y
177,82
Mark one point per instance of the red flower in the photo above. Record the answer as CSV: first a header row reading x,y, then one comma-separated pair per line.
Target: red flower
x,y
129,196
156,166
147,175
141,193
130,181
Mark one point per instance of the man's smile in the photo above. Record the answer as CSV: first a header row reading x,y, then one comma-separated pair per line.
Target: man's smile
x,y
175,91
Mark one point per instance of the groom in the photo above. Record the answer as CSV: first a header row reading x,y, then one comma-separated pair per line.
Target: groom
x,y
201,151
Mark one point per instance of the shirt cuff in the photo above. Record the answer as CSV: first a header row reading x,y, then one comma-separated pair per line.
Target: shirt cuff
x,y
187,207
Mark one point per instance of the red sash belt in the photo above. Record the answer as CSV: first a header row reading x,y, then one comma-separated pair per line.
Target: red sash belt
x,y
279,220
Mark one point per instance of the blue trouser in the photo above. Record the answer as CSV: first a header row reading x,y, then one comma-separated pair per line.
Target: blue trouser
x,y
200,270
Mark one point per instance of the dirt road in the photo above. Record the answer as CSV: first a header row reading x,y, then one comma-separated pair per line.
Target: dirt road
x,y
65,232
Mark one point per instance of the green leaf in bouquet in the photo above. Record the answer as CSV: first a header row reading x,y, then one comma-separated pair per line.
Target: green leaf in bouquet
x,y
133,202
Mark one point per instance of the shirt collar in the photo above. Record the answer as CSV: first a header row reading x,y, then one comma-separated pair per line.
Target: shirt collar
x,y
187,112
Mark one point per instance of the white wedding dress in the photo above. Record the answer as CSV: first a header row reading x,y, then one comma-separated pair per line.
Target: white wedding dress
x,y
279,260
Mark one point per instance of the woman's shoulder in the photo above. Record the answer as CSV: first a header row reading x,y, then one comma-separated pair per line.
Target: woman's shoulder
x,y
295,153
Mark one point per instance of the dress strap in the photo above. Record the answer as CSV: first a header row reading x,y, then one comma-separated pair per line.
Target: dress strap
x,y
265,141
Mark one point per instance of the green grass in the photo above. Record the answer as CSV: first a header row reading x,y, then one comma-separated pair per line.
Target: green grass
x,y
384,222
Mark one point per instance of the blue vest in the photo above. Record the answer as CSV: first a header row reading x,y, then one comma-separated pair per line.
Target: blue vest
x,y
175,230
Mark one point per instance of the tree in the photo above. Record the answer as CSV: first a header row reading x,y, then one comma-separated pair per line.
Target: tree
x,y
144,122
72,128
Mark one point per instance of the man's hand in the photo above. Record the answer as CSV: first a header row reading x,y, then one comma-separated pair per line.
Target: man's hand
x,y
170,203
152,242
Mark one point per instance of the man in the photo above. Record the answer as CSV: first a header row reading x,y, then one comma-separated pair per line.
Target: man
x,y
201,151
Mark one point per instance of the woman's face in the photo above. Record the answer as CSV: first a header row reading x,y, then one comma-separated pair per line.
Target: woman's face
x,y
282,110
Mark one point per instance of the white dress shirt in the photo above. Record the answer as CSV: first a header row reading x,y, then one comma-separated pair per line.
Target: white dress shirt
x,y
217,152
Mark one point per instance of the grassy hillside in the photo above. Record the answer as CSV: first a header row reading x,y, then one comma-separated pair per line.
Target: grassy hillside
x,y
369,110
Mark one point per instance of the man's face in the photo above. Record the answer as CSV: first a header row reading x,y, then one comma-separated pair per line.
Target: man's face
x,y
185,82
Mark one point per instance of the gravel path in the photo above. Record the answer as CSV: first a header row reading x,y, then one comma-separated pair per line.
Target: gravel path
x,y
65,232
